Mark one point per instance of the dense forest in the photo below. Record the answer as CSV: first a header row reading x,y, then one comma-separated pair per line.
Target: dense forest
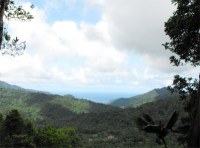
x,y
92,124
16,131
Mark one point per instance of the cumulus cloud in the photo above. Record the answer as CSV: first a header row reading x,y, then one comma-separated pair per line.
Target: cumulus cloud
x,y
63,52
80,54
138,26
22,68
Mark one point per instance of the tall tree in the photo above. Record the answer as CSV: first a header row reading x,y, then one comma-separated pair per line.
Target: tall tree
x,y
16,132
183,28
9,10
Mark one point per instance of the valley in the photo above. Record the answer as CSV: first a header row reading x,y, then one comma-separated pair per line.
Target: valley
x,y
96,124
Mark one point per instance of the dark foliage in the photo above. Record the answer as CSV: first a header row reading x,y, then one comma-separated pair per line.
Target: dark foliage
x,y
119,129
188,88
15,131
183,29
55,111
148,125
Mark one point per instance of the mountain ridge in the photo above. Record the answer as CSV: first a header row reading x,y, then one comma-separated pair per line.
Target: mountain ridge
x,y
95,123
7,85
38,105
151,96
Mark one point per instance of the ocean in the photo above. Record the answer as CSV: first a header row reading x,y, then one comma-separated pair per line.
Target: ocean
x,y
100,97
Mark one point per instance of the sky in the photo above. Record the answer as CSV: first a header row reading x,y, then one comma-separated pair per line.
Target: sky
x,y
93,46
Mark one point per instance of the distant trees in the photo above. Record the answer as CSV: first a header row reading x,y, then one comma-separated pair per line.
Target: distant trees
x,y
183,28
18,132
9,10
57,137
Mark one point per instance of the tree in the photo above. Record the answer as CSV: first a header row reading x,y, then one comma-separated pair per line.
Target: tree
x,y
9,10
183,28
188,89
16,132
57,137
14,123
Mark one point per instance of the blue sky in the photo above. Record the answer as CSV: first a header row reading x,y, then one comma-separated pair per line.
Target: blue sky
x,y
76,10
93,46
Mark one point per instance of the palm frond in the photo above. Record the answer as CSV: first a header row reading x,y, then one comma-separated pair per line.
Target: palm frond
x,y
172,120
141,123
148,118
152,129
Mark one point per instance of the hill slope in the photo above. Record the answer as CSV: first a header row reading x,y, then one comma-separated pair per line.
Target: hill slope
x,y
41,106
120,125
97,125
154,95
9,86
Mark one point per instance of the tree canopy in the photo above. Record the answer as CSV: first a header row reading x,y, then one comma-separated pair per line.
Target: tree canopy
x,y
183,28
9,10
15,131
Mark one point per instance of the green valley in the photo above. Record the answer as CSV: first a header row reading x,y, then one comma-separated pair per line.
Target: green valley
x,y
97,125
40,105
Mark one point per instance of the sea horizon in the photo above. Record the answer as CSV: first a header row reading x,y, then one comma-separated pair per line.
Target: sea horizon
x,y
99,97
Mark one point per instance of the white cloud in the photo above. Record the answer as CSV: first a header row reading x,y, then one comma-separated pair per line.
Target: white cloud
x,y
147,75
67,53
49,45
23,68
138,26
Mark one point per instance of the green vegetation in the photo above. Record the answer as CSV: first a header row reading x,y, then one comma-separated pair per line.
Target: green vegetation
x,y
44,106
96,125
56,137
119,128
101,125
183,29
18,132
154,95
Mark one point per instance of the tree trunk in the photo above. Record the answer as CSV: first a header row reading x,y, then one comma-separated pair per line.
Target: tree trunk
x,y
194,137
3,4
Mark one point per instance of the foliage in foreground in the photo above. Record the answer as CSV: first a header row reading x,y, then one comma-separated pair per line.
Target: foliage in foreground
x,y
18,132
183,29
188,88
9,10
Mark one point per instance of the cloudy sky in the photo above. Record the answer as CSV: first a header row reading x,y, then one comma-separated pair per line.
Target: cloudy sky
x,y
93,46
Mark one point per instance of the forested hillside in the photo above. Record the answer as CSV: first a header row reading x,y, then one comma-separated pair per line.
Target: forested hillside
x,y
119,129
154,95
41,106
96,124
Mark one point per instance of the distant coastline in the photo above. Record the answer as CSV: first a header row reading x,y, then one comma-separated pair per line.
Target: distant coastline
x,y
99,97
